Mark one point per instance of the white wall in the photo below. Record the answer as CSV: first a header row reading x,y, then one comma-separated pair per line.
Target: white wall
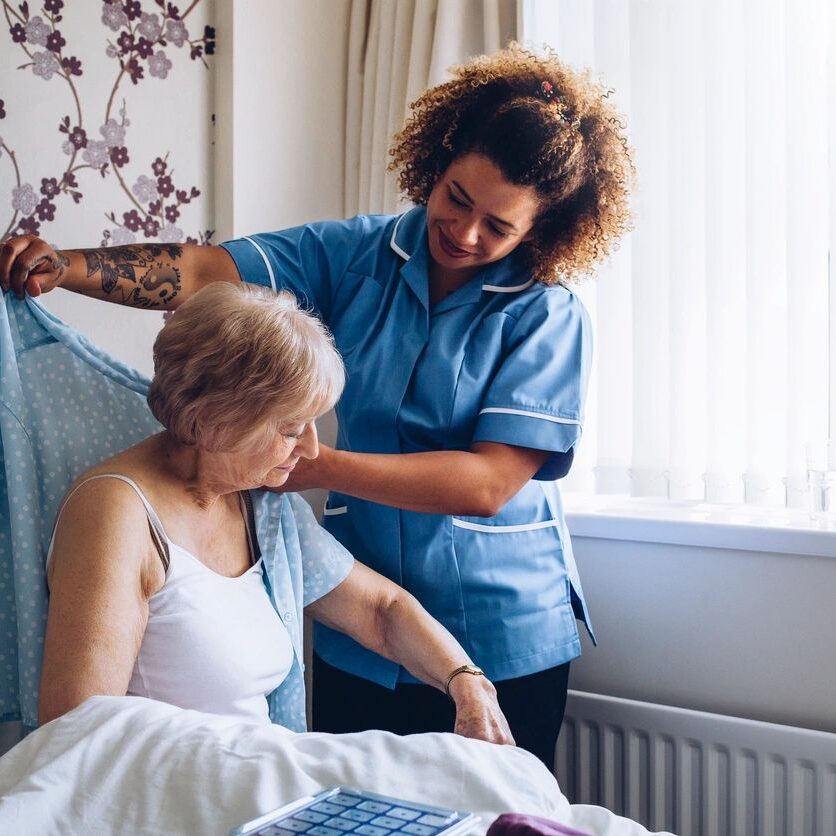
x,y
286,92
736,632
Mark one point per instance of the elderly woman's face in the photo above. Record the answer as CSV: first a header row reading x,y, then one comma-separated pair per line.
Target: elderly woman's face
x,y
270,456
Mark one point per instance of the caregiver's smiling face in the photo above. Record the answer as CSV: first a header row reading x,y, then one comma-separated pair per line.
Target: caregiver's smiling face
x,y
476,217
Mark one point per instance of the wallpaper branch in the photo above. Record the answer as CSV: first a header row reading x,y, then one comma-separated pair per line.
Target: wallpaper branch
x,y
144,41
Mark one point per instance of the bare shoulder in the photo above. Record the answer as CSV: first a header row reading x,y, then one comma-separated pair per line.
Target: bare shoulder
x,y
103,527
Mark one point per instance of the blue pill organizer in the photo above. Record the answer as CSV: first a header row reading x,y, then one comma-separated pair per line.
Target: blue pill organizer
x,y
340,811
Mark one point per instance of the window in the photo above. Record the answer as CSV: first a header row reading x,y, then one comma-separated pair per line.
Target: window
x,y
715,322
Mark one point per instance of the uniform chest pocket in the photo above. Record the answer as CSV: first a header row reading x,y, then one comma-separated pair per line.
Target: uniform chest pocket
x,y
483,356
357,311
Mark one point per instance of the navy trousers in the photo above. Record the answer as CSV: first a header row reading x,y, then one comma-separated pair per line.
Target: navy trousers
x,y
533,704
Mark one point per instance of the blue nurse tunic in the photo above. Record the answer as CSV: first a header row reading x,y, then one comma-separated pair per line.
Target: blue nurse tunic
x,y
502,359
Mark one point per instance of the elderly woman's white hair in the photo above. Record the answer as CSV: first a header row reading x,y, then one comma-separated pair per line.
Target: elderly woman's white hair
x,y
237,357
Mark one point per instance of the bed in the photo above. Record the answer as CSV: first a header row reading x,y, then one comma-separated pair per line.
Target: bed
x,y
128,765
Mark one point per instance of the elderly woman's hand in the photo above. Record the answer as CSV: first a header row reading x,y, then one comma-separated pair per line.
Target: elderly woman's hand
x,y
478,713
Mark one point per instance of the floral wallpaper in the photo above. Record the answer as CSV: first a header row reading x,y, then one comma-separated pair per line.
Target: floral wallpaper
x,y
72,78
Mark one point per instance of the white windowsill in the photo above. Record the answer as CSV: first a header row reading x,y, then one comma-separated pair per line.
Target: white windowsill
x,y
699,524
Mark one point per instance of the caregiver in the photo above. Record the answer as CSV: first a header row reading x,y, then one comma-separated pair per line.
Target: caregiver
x,y
467,359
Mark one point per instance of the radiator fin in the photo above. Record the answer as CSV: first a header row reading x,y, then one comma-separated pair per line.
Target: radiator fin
x,y
697,774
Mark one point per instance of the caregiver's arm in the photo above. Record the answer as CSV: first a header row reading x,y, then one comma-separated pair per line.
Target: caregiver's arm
x,y
101,575
475,482
388,620
148,275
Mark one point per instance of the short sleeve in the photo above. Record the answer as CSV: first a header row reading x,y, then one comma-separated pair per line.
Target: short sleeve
x,y
309,260
536,397
326,563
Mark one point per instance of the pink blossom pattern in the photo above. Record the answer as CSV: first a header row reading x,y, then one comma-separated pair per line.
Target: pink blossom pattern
x,y
145,189
149,27
95,154
139,36
113,16
176,32
24,199
45,65
120,236
36,31
113,133
159,65
170,234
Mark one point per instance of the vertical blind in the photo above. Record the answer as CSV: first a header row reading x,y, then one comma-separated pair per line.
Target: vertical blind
x,y
715,322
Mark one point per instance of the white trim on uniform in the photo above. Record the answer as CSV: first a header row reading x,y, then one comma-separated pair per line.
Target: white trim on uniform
x,y
505,529
403,254
495,288
333,512
552,418
266,262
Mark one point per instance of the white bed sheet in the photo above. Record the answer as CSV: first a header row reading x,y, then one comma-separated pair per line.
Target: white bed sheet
x,y
127,765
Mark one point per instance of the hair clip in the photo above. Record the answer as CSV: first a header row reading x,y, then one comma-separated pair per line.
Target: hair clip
x,y
546,90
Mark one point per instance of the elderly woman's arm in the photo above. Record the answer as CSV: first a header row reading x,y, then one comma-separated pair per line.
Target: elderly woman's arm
x,y
99,577
388,620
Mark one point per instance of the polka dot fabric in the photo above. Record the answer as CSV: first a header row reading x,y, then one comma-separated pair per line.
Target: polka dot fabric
x,y
302,563
64,406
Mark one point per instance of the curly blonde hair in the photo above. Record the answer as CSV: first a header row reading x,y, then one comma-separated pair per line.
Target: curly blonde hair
x,y
543,125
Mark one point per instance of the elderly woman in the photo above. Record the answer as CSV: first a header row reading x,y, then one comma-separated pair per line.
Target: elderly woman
x,y
157,585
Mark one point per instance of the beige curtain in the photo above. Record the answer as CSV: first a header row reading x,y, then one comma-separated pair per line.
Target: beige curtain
x,y
398,48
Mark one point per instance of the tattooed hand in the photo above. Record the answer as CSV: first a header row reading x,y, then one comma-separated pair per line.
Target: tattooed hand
x,y
28,264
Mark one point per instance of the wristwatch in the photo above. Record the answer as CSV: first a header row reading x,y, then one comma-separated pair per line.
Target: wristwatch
x,y
471,669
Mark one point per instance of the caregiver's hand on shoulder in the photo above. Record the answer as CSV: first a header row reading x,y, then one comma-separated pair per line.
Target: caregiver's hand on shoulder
x,y
28,264
478,713
309,473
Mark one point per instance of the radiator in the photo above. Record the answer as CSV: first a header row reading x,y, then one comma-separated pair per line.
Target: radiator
x,y
697,774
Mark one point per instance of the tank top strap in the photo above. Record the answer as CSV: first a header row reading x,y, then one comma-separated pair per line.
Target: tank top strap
x,y
158,534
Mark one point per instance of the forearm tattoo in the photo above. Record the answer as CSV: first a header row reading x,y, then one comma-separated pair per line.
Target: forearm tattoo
x,y
142,275
60,263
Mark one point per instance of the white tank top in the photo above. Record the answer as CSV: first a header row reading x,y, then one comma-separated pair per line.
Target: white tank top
x,y
212,643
